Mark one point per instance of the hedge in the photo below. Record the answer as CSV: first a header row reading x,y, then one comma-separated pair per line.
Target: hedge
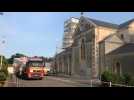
x,y
124,79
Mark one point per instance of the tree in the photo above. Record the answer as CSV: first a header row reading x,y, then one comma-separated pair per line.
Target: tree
x,y
17,55
3,70
4,62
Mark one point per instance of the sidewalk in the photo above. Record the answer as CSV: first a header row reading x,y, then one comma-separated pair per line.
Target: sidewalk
x,y
11,82
79,79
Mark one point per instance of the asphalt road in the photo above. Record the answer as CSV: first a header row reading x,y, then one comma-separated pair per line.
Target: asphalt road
x,y
48,81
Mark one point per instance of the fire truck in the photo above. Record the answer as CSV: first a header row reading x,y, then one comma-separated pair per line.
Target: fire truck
x,y
30,68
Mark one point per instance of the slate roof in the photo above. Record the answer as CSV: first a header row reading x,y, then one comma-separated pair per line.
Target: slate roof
x,y
127,48
102,23
126,23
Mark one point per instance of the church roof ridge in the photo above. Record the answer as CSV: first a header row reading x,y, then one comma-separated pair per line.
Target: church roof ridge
x,y
103,23
108,37
126,23
127,48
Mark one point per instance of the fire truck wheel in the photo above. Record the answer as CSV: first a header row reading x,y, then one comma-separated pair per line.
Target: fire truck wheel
x,y
25,77
40,78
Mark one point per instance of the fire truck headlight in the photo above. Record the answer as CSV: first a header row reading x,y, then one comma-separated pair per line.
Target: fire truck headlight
x,y
31,70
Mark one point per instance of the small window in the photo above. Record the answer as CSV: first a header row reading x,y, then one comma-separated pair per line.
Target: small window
x,y
83,50
122,36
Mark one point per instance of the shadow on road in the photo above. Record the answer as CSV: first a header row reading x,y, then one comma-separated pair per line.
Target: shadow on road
x,y
25,78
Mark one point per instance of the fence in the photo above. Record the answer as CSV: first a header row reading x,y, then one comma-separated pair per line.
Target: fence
x,y
110,84
94,83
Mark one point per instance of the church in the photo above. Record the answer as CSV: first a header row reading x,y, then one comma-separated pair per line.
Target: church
x,y
98,46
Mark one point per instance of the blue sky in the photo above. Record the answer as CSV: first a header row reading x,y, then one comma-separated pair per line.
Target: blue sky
x,y
38,33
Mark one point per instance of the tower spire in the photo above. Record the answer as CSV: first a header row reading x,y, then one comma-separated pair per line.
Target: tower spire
x,y
82,13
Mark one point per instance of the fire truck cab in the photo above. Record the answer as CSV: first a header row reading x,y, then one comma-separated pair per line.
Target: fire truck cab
x,y
34,68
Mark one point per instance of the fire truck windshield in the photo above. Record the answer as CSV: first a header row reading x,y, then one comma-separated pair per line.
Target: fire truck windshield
x,y
36,64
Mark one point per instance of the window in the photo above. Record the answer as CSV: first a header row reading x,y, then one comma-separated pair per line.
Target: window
x,y
83,50
122,36
36,64
117,68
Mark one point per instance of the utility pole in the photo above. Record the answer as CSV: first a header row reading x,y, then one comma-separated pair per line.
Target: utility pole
x,y
1,13
55,64
1,62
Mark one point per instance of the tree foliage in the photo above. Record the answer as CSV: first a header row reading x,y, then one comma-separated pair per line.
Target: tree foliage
x,y
3,70
17,55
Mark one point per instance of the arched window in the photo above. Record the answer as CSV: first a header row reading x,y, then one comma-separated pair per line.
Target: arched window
x,y
122,36
118,68
83,50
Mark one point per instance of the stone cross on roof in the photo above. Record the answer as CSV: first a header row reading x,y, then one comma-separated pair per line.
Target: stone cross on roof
x,y
82,13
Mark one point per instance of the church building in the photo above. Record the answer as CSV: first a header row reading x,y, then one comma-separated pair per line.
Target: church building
x,y
98,46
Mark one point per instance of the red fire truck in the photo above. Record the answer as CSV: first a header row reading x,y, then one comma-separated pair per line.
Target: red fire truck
x,y
33,68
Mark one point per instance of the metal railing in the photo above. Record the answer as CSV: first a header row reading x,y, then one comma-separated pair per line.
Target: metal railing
x,y
110,84
94,83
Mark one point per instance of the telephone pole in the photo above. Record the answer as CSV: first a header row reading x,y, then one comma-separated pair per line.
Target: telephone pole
x,y
2,44
1,13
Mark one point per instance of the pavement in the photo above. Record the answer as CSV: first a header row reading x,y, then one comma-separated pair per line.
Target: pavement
x,y
11,81
81,80
51,81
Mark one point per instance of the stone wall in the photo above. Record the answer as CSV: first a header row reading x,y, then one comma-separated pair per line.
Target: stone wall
x,y
126,62
103,32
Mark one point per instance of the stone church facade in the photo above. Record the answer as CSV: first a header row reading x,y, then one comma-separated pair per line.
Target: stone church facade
x,y
95,47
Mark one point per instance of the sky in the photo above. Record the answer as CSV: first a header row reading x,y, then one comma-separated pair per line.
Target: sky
x,y
38,33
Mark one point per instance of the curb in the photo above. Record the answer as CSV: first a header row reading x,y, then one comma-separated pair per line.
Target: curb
x,y
6,84
79,80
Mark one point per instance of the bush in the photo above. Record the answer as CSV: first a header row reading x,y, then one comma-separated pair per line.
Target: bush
x,y
2,76
125,79
131,83
5,71
120,80
106,76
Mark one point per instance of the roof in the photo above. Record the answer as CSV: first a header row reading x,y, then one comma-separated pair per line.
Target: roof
x,y
126,23
127,48
109,36
65,51
102,23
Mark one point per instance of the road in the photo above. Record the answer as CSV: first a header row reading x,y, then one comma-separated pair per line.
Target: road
x,y
48,81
